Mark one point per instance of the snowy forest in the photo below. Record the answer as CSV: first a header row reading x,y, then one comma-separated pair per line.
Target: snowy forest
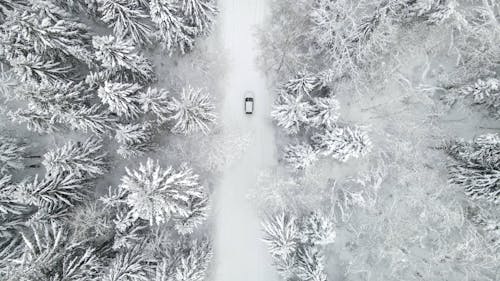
x,y
85,106
373,152
389,119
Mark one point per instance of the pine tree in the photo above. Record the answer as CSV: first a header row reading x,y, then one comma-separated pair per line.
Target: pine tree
x,y
54,191
8,204
53,98
282,234
33,68
193,112
85,160
350,37
8,6
121,98
476,166
200,14
318,229
300,156
67,105
483,92
96,79
157,102
171,30
13,153
89,119
120,57
78,267
310,264
135,139
127,19
61,105
487,224
302,84
49,253
80,6
128,231
36,121
428,11
294,246
291,112
326,111
197,212
128,265
8,81
342,144
42,248
156,194
47,29
192,260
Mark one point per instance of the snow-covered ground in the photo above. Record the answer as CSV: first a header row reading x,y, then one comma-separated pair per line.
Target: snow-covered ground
x,y
239,252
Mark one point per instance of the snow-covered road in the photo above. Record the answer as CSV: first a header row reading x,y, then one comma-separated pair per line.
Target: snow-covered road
x,y
240,254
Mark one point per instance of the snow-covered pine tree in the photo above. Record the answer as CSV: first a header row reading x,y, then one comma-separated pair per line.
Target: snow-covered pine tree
x,y
95,79
84,159
157,102
192,258
326,111
200,14
488,225
342,144
310,264
34,68
282,234
193,112
8,6
35,120
41,248
93,119
135,139
13,153
350,37
156,194
128,20
121,98
318,229
302,84
294,245
8,81
120,57
428,11
47,251
81,265
46,30
129,264
476,166
300,156
78,6
54,191
483,92
128,231
291,112
8,204
53,98
197,213
135,133
171,29
64,104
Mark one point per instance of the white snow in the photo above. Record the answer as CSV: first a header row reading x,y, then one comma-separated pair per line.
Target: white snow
x,y
240,253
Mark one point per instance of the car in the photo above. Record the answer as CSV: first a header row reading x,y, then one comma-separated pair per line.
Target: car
x,y
249,103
